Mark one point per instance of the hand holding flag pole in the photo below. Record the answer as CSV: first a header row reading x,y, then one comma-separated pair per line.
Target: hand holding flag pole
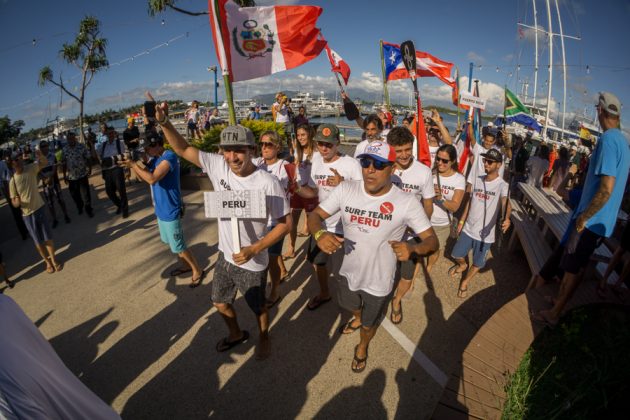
x,y
408,52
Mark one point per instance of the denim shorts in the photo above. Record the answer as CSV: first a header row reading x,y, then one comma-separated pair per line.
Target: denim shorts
x,y
172,234
465,243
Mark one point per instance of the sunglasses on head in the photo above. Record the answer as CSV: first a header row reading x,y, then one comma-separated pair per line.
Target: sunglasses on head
x,y
378,165
440,160
267,144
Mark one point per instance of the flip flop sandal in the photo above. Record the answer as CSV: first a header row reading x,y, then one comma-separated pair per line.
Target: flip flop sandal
x,y
317,302
270,304
288,256
197,282
179,272
356,361
50,269
396,313
453,271
347,328
225,345
462,293
303,235
284,278
59,267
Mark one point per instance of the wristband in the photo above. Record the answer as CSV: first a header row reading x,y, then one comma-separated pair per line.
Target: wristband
x,y
461,223
163,121
318,234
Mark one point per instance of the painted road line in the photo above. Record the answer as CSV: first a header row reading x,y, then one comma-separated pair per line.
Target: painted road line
x,y
431,368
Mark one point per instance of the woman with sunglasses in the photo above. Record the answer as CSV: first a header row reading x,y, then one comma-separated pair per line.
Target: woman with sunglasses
x,y
449,186
305,149
270,145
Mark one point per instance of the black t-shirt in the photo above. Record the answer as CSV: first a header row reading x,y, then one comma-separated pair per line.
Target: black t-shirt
x,y
130,137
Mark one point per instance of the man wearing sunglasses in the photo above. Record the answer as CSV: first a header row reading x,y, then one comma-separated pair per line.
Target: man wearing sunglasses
x,y
375,215
245,271
476,227
489,136
414,178
162,173
328,169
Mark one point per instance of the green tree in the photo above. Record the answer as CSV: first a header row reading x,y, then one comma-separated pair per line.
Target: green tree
x,y
9,130
159,6
87,53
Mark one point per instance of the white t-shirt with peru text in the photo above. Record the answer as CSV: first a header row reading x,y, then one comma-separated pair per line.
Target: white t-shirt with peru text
x,y
484,195
347,167
449,185
369,222
250,230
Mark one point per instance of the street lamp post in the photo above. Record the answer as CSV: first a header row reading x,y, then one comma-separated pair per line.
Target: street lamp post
x,y
216,86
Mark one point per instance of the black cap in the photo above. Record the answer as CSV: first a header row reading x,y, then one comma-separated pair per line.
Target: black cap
x,y
493,154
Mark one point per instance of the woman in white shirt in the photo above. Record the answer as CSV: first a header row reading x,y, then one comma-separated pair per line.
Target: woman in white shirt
x,y
450,186
305,149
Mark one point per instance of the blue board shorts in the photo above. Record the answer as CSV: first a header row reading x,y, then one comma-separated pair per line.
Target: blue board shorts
x,y
172,234
465,243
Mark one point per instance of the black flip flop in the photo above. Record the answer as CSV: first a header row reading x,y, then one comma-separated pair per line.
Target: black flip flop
x,y
179,272
225,345
358,361
348,327
197,282
396,313
317,302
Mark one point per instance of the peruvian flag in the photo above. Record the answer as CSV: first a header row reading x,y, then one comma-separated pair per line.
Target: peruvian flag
x,y
338,64
253,42
426,65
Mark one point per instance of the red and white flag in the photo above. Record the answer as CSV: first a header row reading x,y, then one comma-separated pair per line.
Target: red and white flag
x,y
253,42
338,64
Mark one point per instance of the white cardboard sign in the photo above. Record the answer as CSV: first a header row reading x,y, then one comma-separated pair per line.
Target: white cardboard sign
x,y
235,205
239,204
468,99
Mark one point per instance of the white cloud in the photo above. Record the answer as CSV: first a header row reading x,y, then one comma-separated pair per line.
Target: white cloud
x,y
475,58
529,34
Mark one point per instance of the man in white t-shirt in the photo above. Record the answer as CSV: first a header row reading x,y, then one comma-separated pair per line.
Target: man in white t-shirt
x,y
489,142
245,271
375,215
415,178
328,169
489,195
373,128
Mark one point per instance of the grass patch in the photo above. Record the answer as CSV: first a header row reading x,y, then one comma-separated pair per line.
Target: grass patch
x,y
578,370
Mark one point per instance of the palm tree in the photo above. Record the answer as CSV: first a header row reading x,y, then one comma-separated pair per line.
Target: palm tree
x,y
159,6
87,53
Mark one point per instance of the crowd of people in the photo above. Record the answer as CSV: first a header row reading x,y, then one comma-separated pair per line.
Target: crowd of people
x,y
381,211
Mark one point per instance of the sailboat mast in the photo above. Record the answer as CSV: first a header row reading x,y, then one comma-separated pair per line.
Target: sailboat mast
x,y
564,69
550,36
535,53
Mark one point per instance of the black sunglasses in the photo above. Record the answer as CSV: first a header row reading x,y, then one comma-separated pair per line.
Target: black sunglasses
x,y
324,144
439,159
378,165
489,162
267,144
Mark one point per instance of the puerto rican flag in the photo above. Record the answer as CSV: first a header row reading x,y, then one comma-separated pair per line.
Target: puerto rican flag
x,y
426,65
253,42
338,64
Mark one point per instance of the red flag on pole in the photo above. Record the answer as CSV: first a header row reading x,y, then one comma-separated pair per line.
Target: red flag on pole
x,y
252,42
338,64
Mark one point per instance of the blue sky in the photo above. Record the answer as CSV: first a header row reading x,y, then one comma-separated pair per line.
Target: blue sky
x,y
483,31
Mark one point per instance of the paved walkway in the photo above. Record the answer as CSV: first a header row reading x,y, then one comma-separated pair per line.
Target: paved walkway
x,y
145,343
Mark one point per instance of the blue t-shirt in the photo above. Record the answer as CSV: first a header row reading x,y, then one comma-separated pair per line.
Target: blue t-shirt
x,y
166,192
611,157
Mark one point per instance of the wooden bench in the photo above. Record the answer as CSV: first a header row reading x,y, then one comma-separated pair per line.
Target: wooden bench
x,y
536,249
